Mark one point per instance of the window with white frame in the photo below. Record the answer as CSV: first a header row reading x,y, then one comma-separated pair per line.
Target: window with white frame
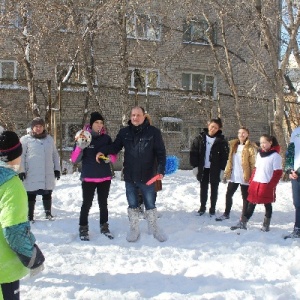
x,y
8,18
170,124
8,69
195,31
143,27
142,79
199,82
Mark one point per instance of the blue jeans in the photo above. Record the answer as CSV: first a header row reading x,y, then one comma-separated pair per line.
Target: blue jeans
x,y
296,200
148,192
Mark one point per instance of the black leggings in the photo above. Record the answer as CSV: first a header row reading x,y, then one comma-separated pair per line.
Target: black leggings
x,y
231,189
251,208
88,191
11,291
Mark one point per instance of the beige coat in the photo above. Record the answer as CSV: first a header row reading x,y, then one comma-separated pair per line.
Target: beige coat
x,y
248,159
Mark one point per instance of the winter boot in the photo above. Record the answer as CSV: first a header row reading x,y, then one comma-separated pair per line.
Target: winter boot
x,y
151,216
133,215
223,217
47,203
242,224
293,235
105,230
31,205
201,210
84,232
266,224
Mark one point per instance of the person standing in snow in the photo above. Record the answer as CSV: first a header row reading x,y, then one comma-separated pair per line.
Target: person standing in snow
x,y
19,253
240,165
40,166
208,157
95,175
263,181
292,167
144,157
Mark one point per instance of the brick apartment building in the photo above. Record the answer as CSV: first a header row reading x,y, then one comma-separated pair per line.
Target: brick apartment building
x,y
171,72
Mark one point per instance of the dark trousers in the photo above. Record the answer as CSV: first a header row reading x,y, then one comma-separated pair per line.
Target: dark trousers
x,y
296,200
231,189
204,192
251,208
47,201
11,291
88,191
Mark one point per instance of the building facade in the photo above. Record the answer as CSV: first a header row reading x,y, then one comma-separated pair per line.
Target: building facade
x,y
160,55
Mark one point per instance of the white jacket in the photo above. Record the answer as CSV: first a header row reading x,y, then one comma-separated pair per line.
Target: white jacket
x,y
39,161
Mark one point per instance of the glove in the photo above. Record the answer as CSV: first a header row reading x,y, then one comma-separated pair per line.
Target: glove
x,y
221,175
195,171
38,264
57,174
22,176
106,159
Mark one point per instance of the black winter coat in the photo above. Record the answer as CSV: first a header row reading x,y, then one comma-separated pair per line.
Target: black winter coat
x,y
145,153
90,167
218,155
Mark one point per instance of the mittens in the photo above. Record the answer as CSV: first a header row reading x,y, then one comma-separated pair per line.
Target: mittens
x,y
22,176
57,174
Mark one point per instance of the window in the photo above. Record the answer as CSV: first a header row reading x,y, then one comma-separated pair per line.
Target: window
x,y
70,131
200,83
143,27
143,78
8,18
76,77
197,32
170,124
8,69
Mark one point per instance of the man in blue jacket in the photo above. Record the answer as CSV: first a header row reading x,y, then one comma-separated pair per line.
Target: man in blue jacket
x,y
144,157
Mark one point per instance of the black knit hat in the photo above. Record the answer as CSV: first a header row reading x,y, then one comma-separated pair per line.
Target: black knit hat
x,y
10,146
37,121
94,117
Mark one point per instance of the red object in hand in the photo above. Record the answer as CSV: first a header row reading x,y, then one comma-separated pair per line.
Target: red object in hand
x,y
153,179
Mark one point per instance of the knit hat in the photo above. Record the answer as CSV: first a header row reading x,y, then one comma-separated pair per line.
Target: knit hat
x,y
37,121
94,117
10,146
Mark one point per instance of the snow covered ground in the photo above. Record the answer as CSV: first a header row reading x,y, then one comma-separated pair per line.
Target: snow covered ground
x,y
202,258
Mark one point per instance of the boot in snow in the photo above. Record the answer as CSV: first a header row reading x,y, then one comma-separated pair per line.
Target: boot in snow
x,y
84,232
242,224
47,203
266,224
293,235
105,230
133,215
153,228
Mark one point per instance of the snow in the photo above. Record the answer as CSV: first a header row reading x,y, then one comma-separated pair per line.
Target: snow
x,y
202,258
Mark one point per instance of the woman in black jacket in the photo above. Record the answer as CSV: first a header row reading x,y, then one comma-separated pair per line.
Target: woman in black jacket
x,y
208,157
